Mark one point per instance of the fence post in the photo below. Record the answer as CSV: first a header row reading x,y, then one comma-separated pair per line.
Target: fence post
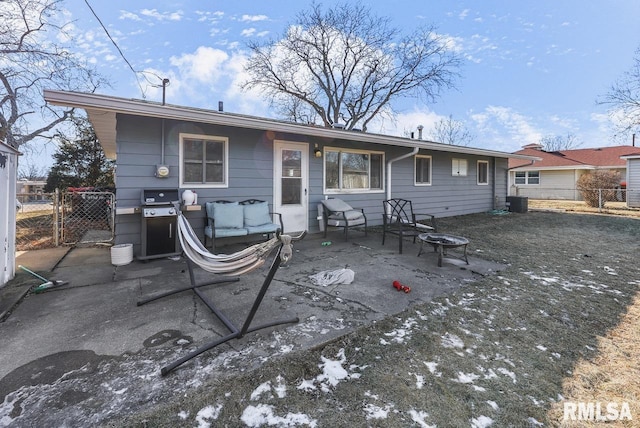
x,y
56,225
599,200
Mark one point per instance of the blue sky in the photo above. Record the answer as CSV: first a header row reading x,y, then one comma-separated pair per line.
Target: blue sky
x,y
531,69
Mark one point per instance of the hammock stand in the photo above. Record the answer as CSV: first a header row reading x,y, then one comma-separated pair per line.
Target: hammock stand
x,y
231,265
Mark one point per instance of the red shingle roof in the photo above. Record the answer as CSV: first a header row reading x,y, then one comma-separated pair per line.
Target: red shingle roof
x,y
578,158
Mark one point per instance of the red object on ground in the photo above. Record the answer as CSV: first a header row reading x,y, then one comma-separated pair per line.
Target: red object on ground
x,y
400,287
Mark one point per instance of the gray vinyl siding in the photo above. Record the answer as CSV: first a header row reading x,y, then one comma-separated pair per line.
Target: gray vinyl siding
x,y
633,183
139,150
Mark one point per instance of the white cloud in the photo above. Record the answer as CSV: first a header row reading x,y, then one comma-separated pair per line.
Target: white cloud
x,y
253,18
162,16
463,14
504,129
248,32
129,15
202,66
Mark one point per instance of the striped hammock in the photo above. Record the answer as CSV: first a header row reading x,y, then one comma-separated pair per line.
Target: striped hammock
x,y
235,264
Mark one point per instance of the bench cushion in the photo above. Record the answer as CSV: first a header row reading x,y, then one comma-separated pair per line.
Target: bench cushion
x,y
256,214
263,228
339,221
234,231
228,216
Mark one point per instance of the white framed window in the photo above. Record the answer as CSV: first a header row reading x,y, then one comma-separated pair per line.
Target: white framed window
x,y
422,167
459,167
204,161
483,172
527,177
353,171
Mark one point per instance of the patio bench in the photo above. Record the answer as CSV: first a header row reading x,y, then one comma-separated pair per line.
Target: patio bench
x,y
228,219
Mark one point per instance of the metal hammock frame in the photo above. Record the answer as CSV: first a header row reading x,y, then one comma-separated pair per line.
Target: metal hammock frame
x,y
231,265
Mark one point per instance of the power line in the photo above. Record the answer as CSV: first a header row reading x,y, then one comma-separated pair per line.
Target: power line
x,y
135,73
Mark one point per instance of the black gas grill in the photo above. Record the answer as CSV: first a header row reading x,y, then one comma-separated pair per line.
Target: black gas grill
x,y
159,222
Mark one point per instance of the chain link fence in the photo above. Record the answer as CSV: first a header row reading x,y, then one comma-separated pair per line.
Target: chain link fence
x,y
45,220
617,198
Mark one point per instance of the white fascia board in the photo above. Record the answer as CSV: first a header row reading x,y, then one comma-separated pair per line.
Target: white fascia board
x,y
551,168
145,108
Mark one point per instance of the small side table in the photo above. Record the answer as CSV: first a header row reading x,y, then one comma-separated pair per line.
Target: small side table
x,y
443,241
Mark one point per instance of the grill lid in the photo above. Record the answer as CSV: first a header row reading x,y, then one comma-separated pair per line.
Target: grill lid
x,y
160,196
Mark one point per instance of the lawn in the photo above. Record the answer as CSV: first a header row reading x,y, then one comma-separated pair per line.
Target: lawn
x,y
559,325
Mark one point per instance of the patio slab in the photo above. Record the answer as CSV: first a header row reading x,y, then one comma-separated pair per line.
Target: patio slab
x,y
86,349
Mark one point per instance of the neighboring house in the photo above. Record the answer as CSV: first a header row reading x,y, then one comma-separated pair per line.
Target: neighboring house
x,y
555,175
8,174
32,189
228,156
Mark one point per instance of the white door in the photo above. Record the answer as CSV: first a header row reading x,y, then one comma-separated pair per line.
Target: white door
x,y
291,165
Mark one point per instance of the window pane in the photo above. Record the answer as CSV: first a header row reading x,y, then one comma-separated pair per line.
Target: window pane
x,y
215,151
192,172
483,172
534,177
520,177
332,170
215,173
192,149
376,171
291,163
355,171
203,160
423,167
291,191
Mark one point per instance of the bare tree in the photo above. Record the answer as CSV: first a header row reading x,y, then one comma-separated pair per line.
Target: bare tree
x,y
31,171
556,143
450,131
346,66
30,61
624,99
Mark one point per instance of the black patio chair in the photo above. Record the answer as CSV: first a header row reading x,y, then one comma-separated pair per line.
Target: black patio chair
x,y
399,219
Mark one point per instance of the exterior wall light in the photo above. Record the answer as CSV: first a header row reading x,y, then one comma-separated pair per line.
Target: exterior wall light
x,y
317,152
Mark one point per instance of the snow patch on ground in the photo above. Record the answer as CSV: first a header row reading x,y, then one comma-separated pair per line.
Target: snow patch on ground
x,y
332,373
208,414
419,418
263,414
451,341
481,422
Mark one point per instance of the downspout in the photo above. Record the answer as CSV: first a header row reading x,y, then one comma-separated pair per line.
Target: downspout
x,y
495,183
414,152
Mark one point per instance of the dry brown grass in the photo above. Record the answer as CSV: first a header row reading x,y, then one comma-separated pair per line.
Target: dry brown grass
x,y
613,376
611,208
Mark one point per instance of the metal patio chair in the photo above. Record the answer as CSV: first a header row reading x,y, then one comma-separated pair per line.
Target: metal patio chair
x,y
399,219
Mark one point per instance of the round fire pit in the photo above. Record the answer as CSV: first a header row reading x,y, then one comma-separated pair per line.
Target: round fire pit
x,y
443,241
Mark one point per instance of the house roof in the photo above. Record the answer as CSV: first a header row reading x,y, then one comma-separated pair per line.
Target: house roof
x,y
599,157
7,148
102,111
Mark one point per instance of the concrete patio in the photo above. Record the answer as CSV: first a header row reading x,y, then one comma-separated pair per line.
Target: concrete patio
x,y
85,352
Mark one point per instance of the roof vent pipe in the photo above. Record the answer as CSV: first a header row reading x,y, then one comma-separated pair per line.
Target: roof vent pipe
x,y
420,128
220,106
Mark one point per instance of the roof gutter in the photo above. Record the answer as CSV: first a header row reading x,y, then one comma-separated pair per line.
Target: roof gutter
x,y
391,161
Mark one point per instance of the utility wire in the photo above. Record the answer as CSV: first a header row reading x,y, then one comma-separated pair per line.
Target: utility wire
x,y
117,47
